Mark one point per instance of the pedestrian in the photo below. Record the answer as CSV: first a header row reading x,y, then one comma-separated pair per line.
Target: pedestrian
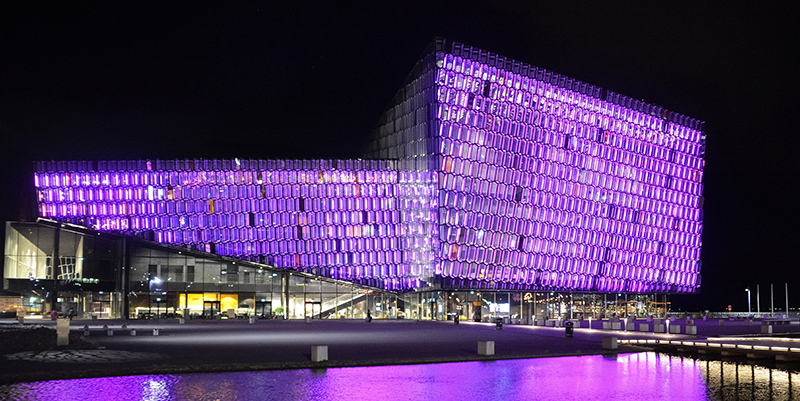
x,y
70,313
369,316
53,314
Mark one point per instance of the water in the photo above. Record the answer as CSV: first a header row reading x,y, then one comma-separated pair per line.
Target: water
x,y
641,376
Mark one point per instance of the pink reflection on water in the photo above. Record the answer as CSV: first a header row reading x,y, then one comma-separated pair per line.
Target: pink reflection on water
x,y
155,387
640,376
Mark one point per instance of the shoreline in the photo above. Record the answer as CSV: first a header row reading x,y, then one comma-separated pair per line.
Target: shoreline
x,y
236,346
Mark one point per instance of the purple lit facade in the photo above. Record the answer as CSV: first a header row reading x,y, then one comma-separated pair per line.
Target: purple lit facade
x,y
487,174
521,178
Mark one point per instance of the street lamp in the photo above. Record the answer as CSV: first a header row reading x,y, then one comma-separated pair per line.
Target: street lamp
x,y
748,299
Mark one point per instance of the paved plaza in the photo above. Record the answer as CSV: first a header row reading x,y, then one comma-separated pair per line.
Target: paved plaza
x,y
237,345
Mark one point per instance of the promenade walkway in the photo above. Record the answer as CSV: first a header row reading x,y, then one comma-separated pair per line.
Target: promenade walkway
x,y
237,345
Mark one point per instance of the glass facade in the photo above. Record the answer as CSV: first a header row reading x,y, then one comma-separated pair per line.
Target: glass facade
x,y
95,274
544,182
486,175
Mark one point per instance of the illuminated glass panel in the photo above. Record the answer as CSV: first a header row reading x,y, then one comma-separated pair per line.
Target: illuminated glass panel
x,y
548,183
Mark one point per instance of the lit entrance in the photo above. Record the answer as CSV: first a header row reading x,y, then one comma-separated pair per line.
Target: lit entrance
x,y
210,309
158,308
313,309
264,309
101,305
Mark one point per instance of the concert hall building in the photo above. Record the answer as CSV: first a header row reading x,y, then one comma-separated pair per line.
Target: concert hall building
x,y
492,188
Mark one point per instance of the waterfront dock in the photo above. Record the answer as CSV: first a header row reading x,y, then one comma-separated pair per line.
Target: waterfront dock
x,y
166,346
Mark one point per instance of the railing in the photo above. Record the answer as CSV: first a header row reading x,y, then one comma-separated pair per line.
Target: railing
x,y
723,315
332,306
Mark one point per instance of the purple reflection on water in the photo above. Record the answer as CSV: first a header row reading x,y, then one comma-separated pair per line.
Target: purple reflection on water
x,y
642,376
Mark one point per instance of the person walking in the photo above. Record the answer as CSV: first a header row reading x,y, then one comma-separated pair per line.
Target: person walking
x,y
369,316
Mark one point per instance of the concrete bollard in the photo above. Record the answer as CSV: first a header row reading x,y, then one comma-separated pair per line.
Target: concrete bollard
x,y
124,327
609,342
155,332
181,321
110,332
105,327
766,329
721,322
252,319
308,319
62,331
644,327
486,348
133,332
86,331
319,353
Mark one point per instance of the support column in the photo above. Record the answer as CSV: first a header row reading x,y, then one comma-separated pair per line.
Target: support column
x,y
530,309
494,299
758,298
560,301
285,293
583,307
571,306
626,305
56,258
125,280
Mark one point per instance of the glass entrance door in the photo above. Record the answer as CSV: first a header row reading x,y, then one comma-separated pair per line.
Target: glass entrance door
x,y
210,309
264,310
158,309
313,309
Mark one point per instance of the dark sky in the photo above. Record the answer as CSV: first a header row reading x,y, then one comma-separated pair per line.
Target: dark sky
x,y
91,82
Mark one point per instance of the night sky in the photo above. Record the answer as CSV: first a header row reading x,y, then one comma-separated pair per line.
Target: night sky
x,y
91,82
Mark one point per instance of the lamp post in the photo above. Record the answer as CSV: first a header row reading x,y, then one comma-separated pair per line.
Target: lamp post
x,y
748,299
